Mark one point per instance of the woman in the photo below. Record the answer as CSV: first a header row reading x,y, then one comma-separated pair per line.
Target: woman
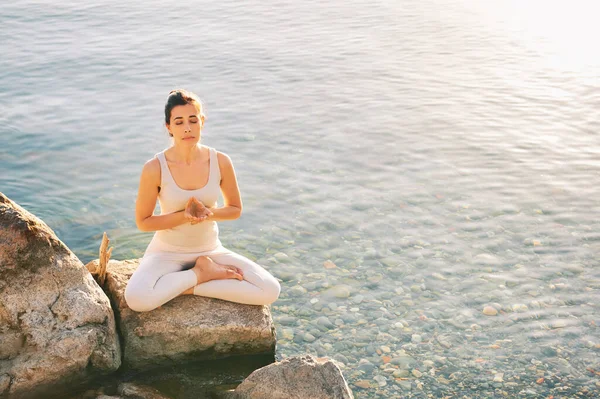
x,y
185,255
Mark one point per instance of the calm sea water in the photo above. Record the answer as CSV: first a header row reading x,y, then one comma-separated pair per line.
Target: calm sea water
x,y
403,164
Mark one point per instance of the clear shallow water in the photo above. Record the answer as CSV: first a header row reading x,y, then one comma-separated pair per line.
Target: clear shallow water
x,y
442,154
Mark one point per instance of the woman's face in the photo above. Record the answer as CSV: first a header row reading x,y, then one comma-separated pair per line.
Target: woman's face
x,y
186,124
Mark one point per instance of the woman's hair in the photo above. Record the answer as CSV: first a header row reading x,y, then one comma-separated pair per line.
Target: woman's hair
x,y
182,97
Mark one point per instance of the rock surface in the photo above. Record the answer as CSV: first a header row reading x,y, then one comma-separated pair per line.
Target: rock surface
x,y
300,377
187,328
130,390
56,324
124,390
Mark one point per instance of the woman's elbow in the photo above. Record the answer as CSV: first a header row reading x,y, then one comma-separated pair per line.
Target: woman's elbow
x,y
238,213
141,225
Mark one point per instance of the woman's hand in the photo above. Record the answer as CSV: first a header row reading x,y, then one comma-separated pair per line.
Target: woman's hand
x,y
195,211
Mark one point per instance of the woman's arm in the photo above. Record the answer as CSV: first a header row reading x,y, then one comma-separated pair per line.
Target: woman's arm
x,y
232,201
146,202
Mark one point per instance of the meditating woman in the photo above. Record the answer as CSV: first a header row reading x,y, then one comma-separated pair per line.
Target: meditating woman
x,y
185,255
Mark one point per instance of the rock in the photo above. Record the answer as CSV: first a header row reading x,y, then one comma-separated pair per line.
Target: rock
x,y
558,323
282,257
297,291
404,362
364,384
486,260
438,276
329,264
339,291
381,380
341,358
136,391
520,307
489,311
288,320
574,268
325,322
57,326
308,337
298,377
416,373
365,365
5,381
287,333
548,351
400,373
187,328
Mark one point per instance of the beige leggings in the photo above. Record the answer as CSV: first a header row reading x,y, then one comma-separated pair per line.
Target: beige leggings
x,y
161,276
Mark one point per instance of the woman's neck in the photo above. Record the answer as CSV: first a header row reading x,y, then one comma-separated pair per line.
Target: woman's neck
x,y
186,154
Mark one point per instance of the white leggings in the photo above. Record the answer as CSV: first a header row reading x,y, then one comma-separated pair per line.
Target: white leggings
x,y
161,276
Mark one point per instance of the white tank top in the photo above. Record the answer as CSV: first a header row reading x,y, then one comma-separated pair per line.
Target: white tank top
x,y
203,236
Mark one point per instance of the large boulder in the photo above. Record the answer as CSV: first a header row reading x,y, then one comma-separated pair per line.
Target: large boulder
x,y
300,377
187,328
57,328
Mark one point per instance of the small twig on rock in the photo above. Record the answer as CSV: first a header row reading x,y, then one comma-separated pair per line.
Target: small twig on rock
x,y
103,258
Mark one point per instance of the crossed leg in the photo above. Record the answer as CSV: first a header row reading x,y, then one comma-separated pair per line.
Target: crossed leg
x,y
258,286
163,276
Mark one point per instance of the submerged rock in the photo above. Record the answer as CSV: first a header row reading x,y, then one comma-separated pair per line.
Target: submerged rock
x,y
57,329
130,390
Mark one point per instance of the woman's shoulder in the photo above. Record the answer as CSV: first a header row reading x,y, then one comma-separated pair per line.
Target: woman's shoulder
x,y
222,158
151,168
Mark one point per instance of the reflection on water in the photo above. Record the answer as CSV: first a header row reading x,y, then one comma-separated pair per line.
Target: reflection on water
x,y
404,165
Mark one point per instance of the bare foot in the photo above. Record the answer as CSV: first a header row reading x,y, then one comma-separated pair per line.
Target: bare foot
x,y
206,269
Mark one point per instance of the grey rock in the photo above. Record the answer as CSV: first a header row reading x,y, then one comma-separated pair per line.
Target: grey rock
x,y
325,322
187,328
297,291
404,362
136,391
366,366
308,337
57,326
339,291
299,377
288,320
341,358
548,351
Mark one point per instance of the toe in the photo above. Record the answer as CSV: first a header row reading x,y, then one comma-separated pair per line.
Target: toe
x,y
234,272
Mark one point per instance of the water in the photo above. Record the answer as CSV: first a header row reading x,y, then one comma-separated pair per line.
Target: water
x,y
442,154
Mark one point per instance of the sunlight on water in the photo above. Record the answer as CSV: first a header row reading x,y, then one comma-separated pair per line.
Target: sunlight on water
x,y
421,176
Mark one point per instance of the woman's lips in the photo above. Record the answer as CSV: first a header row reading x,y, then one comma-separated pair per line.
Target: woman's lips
x,y
188,138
